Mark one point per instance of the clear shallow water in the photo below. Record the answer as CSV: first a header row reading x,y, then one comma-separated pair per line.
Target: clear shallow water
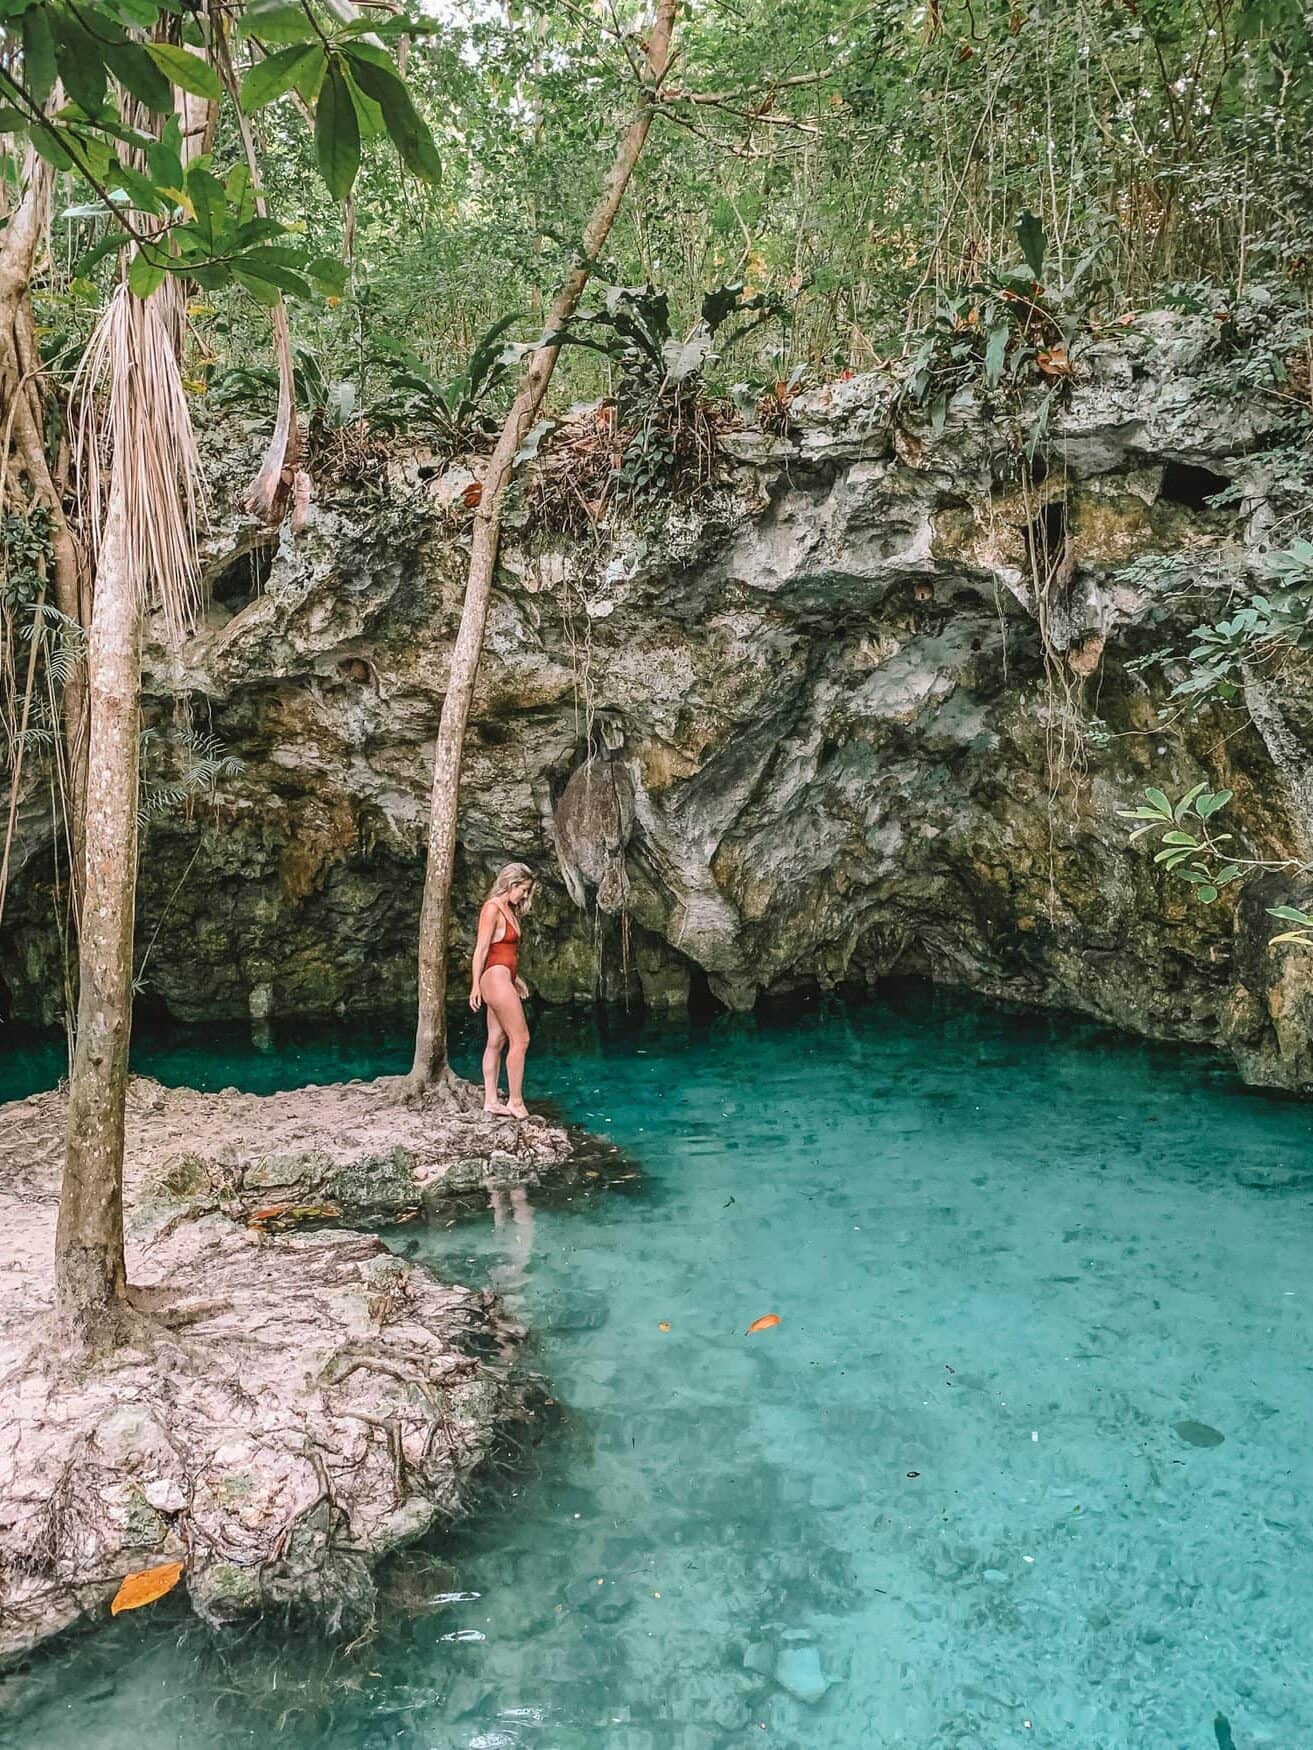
x,y
1033,1266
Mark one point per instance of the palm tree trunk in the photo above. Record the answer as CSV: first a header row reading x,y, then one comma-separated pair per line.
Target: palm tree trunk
x,y
430,1064
90,1285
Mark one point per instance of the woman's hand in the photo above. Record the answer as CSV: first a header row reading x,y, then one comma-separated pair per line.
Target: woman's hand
x,y
476,1001
522,990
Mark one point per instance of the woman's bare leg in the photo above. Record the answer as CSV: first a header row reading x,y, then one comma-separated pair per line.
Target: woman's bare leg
x,y
503,1001
492,1051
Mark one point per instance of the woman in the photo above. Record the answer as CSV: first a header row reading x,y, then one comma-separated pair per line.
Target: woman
x,y
496,982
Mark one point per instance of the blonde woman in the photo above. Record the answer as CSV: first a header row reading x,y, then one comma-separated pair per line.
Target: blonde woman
x,y
496,983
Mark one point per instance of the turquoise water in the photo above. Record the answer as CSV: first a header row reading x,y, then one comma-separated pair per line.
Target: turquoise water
x,y
1026,1460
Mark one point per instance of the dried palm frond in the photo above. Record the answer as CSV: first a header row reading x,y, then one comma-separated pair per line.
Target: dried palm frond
x,y
131,419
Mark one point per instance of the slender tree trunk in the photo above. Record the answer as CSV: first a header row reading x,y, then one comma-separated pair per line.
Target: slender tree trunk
x,y
430,1065
24,449
90,1286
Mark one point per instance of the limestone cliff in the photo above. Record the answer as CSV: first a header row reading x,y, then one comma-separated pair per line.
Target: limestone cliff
x,y
865,710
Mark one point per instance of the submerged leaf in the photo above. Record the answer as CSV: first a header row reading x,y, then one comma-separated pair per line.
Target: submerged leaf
x,y
764,1323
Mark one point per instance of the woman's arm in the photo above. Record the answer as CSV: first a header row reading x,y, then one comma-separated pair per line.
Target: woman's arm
x,y
487,924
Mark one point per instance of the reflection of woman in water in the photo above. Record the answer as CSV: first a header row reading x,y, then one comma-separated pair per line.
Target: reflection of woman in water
x,y
496,983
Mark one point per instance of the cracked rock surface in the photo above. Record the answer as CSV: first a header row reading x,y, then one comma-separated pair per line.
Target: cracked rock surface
x,y
304,1402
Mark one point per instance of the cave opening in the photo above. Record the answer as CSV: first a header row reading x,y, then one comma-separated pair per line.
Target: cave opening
x,y
1046,538
704,1005
241,580
1187,485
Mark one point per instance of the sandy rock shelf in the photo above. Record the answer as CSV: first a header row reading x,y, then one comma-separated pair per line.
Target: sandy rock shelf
x,y
308,1400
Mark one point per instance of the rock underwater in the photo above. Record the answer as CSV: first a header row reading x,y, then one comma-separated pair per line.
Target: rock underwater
x,y
804,734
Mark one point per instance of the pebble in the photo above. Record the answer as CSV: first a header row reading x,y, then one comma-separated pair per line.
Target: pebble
x,y
798,1669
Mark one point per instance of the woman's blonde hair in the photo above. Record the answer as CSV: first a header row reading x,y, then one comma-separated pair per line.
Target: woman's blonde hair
x,y
511,876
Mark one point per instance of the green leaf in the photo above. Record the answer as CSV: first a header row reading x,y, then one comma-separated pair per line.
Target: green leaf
x,y
1183,805
1181,838
996,351
275,267
140,190
337,134
146,273
1209,805
255,231
187,71
379,79
1205,895
277,21
241,199
108,245
261,290
1290,914
328,273
47,143
78,57
137,73
274,78
1030,235
141,14
209,202
12,121
38,54
1160,802
164,156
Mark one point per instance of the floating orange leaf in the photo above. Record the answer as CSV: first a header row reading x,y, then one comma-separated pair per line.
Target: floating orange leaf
x,y
664,1325
146,1587
764,1323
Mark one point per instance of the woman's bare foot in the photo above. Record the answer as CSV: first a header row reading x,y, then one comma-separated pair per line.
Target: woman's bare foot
x,y
516,1108
496,1106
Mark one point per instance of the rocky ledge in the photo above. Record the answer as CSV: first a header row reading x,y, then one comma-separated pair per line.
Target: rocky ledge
x,y
870,707
304,1402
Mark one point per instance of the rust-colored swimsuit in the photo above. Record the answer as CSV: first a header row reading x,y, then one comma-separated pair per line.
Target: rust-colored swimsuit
x,y
506,952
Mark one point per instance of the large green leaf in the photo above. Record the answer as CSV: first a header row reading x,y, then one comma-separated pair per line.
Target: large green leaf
x,y
38,54
278,21
108,245
187,71
209,203
81,65
147,272
374,73
274,77
261,290
337,134
996,352
136,72
47,143
1030,235
141,191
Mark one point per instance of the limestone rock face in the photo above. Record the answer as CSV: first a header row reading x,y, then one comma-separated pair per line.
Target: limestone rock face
x,y
824,729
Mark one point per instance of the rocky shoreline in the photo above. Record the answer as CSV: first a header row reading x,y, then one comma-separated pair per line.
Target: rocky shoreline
x,y
305,1401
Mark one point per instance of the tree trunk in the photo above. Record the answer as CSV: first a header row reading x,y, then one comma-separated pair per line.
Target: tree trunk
x,y
430,1065
90,1286
24,422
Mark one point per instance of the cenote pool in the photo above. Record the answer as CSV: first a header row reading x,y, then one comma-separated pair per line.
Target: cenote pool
x,y
1026,1461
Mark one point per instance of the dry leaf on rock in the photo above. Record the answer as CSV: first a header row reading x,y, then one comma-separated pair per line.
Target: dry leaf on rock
x,y
146,1587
